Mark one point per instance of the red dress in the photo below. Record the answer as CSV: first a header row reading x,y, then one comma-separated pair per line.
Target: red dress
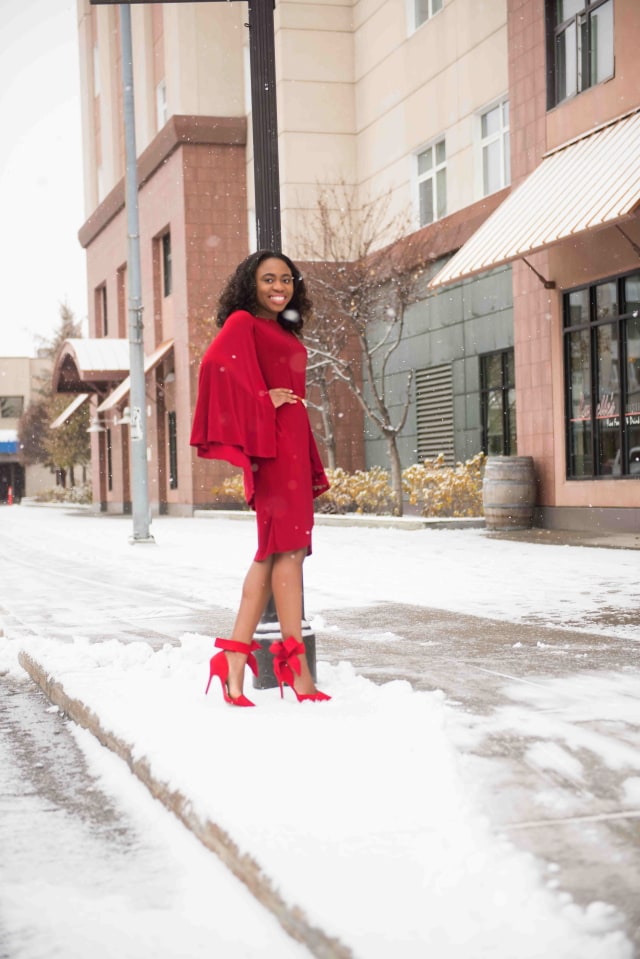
x,y
235,420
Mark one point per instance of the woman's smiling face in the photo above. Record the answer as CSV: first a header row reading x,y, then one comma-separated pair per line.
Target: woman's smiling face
x,y
274,287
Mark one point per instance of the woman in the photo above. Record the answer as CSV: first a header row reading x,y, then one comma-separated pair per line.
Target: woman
x,y
250,412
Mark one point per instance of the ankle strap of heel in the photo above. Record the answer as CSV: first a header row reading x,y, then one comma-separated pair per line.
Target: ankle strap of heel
x,y
233,646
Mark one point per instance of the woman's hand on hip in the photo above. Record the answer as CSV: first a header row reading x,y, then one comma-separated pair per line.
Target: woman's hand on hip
x,y
280,396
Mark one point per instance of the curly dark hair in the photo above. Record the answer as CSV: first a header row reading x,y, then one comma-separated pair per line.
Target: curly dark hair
x,y
239,292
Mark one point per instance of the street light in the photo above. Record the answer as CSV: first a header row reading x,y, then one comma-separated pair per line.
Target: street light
x,y
263,108
268,236
268,229
141,513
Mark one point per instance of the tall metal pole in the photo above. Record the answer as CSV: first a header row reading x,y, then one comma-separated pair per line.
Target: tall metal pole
x,y
138,406
265,125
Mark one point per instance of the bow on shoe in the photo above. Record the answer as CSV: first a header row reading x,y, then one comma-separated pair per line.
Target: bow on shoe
x,y
286,657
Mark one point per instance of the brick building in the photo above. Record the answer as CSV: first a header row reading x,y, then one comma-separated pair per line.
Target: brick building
x,y
571,231
449,105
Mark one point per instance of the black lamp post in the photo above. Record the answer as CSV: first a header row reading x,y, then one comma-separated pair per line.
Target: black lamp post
x,y
268,229
265,115
266,173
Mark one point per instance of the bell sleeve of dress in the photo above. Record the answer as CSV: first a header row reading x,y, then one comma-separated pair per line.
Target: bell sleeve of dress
x,y
234,417
319,482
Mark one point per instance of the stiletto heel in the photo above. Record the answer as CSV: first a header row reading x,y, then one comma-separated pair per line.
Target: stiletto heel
x,y
286,664
219,666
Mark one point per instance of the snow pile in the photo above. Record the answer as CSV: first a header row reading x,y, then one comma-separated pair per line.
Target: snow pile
x,y
356,809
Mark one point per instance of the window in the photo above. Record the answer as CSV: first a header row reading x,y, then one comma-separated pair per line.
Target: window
x,y
109,461
494,145
96,70
121,288
580,46
425,9
173,451
432,183
498,403
434,413
11,407
167,282
602,378
102,314
162,111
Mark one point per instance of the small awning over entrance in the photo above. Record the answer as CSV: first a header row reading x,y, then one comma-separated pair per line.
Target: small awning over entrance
x,y
123,389
69,410
588,183
90,365
9,442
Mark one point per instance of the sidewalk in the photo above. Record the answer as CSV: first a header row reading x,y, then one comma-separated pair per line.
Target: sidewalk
x,y
561,537
545,727
551,537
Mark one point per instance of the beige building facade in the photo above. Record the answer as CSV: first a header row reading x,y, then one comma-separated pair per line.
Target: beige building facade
x,y
361,90
444,105
366,97
21,377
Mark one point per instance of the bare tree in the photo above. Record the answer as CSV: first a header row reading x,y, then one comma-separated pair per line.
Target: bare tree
x,y
320,378
360,295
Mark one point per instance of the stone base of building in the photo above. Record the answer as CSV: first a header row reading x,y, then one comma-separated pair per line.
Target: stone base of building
x,y
588,518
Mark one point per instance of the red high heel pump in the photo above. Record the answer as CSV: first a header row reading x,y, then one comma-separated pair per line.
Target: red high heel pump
x,y
219,666
286,663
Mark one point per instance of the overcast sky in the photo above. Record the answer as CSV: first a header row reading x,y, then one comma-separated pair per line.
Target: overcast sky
x,y
41,193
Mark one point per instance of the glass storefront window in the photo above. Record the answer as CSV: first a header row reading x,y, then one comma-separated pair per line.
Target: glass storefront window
x,y
512,445
632,293
606,300
608,406
577,311
580,418
632,399
602,376
498,403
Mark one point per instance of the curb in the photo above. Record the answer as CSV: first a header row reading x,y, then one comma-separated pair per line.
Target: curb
x,y
292,918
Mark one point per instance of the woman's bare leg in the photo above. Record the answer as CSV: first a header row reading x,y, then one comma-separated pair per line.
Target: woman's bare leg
x,y
256,590
286,584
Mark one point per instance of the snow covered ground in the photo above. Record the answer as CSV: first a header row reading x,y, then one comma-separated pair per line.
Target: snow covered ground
x,y
360,810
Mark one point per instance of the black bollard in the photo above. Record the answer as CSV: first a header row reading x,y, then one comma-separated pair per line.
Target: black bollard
x,y
268,632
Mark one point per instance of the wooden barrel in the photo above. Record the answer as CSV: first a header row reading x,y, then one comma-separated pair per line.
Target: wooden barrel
x,y
509,492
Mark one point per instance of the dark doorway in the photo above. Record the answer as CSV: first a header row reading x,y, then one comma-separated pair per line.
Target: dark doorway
x,y
11,478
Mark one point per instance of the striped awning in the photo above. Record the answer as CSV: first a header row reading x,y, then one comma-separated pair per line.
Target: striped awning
x,y
90,365
124,388
590,182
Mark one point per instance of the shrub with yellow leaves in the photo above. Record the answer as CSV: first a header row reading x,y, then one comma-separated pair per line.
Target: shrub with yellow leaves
x,y
365,491
446,490
437,489
230,493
